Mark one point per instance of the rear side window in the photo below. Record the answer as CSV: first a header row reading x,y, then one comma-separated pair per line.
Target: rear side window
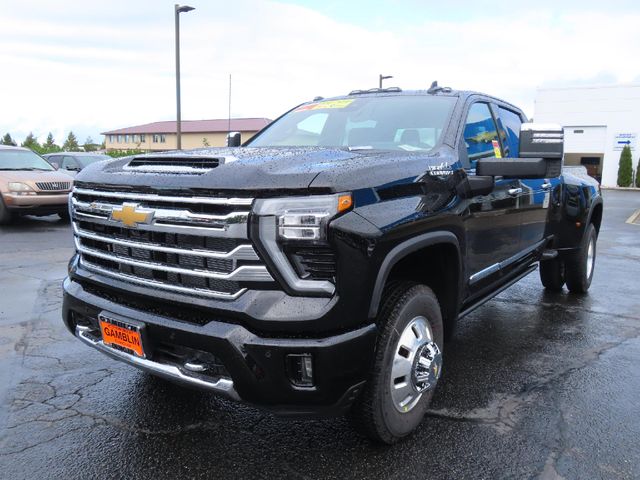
x,y
480,133
511,123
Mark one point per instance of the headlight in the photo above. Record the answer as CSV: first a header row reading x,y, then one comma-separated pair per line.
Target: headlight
x,y
303,218
21,188
298,221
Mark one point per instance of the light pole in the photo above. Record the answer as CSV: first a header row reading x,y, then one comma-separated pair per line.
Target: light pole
x,y
178,10
384,77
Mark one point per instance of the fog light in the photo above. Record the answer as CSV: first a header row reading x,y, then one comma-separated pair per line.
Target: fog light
x,y
300,369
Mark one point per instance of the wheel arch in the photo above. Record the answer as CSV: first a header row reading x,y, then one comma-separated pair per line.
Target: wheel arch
x,y
407,261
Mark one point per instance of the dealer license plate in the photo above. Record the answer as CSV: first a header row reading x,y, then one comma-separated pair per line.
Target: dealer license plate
x,y
122,335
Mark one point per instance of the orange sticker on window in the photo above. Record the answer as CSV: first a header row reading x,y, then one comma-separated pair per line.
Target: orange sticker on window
x,y
323,105
496,149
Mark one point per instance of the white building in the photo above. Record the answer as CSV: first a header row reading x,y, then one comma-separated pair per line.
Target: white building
x,y
598,121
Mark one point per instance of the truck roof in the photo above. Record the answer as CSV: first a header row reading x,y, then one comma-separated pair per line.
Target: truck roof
x,y
436,91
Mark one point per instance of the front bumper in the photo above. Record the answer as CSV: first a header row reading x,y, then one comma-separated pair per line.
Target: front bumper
x,y
36,204
254,366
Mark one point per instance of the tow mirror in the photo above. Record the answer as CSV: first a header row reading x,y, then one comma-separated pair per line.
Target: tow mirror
x,y
541,140
540,155
233,139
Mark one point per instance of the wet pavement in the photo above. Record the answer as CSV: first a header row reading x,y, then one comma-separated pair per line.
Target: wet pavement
x,y
535,385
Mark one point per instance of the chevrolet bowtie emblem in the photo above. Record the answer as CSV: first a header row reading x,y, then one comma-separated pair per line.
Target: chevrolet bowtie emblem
x,y
131,215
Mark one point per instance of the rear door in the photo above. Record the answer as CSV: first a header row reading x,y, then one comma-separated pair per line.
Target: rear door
x,y
536,193
493,222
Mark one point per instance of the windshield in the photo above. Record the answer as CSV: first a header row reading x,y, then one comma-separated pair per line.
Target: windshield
x,y
89,159
397,122
22,160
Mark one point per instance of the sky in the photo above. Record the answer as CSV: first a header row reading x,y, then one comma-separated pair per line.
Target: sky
x,y
91,66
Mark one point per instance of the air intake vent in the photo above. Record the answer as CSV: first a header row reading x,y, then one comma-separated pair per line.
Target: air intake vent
x,y
174,164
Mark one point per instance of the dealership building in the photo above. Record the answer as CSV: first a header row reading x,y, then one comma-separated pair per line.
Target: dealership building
x,y
598,122
158,136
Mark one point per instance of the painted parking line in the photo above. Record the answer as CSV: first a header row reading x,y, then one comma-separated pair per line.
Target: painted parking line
x,y
634,218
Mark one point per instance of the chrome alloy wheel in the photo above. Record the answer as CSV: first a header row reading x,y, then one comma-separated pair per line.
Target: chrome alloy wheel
x,y
417,364
591,250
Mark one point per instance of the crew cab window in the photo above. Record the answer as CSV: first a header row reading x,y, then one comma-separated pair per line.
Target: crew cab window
x,y
511,123
480,133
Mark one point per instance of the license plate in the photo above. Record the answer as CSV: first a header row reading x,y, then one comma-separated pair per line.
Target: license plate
x,y
122,335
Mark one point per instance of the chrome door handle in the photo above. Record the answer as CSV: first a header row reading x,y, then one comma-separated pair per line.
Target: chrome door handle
x,y
546,186
514,191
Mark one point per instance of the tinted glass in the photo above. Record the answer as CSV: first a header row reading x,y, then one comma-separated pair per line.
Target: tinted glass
x,y
480,132
69,162
22,160
399,122
511,122
89,159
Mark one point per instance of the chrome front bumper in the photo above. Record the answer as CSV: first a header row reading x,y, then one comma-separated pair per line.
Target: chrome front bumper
x,y
222,386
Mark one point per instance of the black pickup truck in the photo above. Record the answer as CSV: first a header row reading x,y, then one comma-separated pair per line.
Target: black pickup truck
x,y
319,268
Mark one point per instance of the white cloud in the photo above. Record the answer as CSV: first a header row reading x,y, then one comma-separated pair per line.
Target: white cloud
x,y
96,66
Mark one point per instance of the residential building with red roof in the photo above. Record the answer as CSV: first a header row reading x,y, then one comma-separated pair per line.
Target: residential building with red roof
x,y
158,136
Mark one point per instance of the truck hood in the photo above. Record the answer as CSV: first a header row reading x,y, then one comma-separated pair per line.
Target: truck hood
x,y
280,168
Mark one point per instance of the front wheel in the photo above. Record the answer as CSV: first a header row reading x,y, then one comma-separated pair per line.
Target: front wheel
x,y
580,265
407,365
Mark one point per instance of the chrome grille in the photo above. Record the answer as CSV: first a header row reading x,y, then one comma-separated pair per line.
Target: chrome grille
x,y
189,244
54,186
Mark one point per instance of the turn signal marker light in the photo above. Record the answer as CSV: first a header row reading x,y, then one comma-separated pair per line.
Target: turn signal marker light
x,y
344,203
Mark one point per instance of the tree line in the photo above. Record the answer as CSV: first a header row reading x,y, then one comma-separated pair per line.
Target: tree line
x,y
70,144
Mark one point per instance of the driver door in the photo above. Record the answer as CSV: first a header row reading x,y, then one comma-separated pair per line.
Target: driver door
x,y
492,222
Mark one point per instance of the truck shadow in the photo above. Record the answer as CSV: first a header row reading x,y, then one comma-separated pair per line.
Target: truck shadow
x,y
505,356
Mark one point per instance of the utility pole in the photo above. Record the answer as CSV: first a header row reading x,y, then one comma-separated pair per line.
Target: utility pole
x,y
178,10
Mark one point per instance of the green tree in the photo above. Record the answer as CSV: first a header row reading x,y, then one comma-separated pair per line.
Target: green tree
x,y
7,140
31,142
205,142
638,174
625,168
71,143
90,145
49,146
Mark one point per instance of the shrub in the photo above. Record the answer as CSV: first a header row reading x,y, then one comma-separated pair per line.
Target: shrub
x,y
123,153
625,168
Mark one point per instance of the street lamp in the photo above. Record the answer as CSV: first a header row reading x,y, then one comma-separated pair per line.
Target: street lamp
x,y
178,10
384,77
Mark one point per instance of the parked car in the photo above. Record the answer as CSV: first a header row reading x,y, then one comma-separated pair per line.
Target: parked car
x,y
29,185
319,267
73,162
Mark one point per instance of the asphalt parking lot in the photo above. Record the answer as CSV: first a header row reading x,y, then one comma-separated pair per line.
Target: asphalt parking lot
x,y
535,385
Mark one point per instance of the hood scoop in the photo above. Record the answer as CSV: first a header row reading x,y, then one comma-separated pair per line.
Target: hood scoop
x,y
175,164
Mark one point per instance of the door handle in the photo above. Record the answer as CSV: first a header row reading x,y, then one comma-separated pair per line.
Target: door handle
x,y
514,191
546,186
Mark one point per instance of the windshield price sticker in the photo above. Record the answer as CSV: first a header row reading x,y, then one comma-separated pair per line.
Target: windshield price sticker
x,y
327,104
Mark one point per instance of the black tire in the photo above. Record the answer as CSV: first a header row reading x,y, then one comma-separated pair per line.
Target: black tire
x,y
374,413
552,274
578,273
5,214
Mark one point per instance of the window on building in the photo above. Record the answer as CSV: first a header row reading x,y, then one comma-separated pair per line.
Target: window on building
x,y
119,138
156,138
163,138
143,138
480,133
111,138
511,122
